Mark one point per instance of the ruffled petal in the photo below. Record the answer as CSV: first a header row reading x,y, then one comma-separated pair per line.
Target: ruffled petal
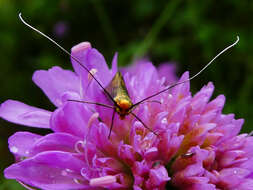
x,y
20,113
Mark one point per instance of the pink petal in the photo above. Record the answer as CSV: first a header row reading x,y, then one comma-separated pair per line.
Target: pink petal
x,y
109,164
182,90
158,177
49,170
126,153
55,141
151,153
20,113
201,186
231,177
99,135
55,82
216,104
20,143
91,59
72,118
103,181
246,184
200,99
145,82
168,70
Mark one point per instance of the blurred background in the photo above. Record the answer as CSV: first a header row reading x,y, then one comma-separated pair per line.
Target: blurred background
x,y
189,33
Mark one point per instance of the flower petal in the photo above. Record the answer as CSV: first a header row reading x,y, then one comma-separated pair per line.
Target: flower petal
x,y
231,177
91,59
71,118
247,184
157,178
182,90
55,141
20,113
167,70
141,84
99,135
49,170
21,143
55,82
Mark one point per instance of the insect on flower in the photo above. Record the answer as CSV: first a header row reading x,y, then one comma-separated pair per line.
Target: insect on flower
x,y
116,90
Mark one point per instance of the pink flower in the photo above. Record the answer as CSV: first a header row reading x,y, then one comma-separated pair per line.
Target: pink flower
x,y
60,29
197,147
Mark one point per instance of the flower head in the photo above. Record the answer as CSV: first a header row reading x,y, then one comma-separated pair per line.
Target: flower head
x,y
194,146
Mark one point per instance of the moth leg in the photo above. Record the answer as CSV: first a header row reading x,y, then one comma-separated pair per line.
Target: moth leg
x,y
113,114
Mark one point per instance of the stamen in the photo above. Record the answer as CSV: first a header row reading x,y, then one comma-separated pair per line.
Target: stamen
x,y
79,145
92,119
101,181
76,181
84,142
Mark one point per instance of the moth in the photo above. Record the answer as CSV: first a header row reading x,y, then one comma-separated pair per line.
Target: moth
x,y
116,90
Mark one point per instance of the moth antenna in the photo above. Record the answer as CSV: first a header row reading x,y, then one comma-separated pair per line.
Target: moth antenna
x,y
175,84
224,50
64,50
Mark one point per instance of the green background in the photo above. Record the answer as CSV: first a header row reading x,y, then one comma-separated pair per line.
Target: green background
x,y
189,32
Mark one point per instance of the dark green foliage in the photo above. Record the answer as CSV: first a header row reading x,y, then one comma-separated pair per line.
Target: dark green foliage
x,y
187,32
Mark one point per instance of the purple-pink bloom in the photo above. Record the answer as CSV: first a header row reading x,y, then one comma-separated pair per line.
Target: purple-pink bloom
x,y
197,147
60,29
